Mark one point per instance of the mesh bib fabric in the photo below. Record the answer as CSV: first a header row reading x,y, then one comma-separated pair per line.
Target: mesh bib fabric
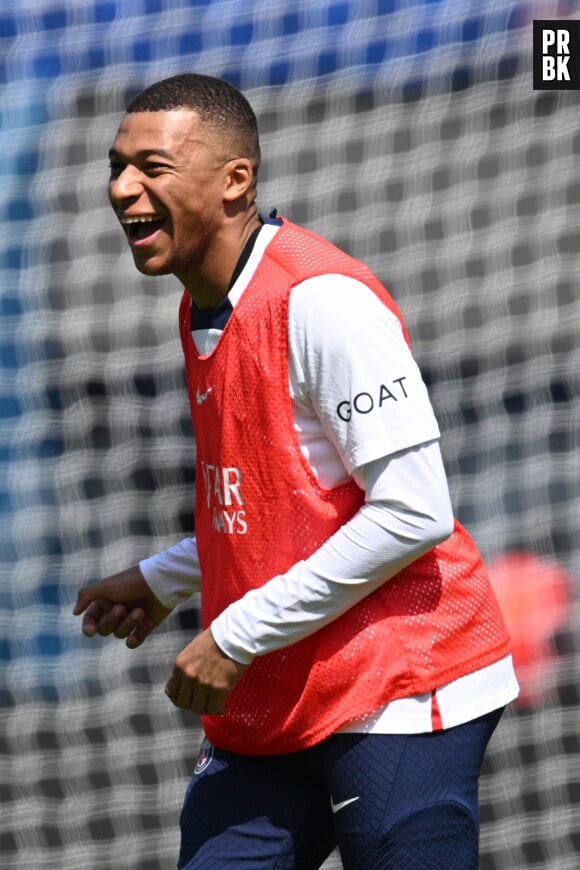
x,y
259,510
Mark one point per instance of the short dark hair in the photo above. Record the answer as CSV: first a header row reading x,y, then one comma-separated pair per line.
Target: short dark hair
x,y
218,103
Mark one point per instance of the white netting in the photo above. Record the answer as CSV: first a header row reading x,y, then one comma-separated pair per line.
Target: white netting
x,y
409,134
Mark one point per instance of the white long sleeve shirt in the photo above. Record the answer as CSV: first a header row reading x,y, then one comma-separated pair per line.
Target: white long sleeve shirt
x,y
361,410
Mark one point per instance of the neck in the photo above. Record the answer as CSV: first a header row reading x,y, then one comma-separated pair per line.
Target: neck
x,y
212,282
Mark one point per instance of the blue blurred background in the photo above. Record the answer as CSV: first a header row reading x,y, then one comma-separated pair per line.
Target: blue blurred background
x,y
408,132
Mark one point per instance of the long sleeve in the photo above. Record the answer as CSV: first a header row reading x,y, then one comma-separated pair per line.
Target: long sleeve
x,y
382,538
173,575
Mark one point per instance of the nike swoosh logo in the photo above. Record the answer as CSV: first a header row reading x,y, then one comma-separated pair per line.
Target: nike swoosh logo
x,y
201,397
342,804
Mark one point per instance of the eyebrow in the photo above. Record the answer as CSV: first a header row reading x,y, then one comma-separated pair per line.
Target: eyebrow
x,y
147,152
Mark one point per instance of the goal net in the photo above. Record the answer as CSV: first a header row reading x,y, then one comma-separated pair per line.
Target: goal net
x,y
408,133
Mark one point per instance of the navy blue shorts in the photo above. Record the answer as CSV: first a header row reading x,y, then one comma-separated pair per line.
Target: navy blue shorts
x,y
389,801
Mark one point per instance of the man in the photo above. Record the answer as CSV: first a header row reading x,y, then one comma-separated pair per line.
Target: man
x,y
353,662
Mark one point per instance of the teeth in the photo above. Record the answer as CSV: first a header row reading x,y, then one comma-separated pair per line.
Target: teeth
x,y
145,219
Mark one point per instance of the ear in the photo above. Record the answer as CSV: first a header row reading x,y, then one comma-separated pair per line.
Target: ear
x,y
239,178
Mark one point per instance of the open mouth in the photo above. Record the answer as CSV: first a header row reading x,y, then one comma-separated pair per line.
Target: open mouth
x,y
141,228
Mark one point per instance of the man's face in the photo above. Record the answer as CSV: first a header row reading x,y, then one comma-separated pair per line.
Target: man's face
x,y
166,187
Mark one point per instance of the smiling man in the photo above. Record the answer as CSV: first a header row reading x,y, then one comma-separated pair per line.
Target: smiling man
x,y
183,186
353,662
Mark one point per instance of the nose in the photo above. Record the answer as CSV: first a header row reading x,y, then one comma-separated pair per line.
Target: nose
x,y
127,184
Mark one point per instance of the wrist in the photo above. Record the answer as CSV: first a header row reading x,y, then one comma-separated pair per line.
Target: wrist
x,y
235,652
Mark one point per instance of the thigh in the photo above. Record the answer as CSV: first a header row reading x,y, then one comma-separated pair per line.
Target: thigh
x,y
408,801
260,813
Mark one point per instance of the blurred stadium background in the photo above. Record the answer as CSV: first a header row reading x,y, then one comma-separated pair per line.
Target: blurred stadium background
x,y
406,131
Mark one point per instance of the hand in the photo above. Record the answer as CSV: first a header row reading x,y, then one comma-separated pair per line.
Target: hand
x,y
123,605
203,676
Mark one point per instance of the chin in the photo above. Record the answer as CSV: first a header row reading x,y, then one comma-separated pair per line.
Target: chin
x,y
151,268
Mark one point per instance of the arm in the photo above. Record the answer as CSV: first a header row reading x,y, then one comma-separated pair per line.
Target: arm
x,y
123,605
381,539
386,535
174,574
133,602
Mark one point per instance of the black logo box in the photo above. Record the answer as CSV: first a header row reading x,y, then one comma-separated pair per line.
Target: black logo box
x,y
562,73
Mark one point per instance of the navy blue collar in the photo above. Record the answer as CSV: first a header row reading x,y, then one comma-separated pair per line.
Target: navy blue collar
x,y
218,316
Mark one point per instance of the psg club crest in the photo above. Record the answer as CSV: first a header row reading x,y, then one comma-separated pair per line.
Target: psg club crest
x,y
205,756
